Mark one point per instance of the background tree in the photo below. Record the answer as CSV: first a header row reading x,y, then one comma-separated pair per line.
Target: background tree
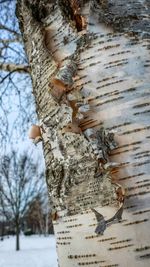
x,y
38,216
21,181
34,216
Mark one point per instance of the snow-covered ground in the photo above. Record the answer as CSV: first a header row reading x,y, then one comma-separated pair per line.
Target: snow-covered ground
x,y
35,251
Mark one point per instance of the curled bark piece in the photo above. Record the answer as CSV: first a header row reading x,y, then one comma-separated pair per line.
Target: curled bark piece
x,y
66,73
78,124
89,133
72,13
37,140
73,105
54,215
72,127
101,142
35,134
102,224
120,192
47,39
109,141
80,22
63,80
58,90
111,165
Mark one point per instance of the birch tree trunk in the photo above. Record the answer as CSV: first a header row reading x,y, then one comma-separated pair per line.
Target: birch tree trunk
x,y
89,64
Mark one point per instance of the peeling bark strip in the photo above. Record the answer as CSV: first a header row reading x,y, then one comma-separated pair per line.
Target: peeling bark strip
x,y
81,111
71,11
63,80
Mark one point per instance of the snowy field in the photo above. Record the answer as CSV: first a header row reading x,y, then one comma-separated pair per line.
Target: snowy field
x,y
35,252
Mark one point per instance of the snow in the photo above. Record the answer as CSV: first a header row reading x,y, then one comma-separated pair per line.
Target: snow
x,y
35,251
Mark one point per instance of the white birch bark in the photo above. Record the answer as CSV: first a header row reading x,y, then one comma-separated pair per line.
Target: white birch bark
x,y
111,86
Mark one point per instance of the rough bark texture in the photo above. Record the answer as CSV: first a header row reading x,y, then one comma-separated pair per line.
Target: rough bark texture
x,y
89,65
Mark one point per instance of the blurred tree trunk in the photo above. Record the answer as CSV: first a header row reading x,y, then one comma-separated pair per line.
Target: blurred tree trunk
x,y
89,64
2,229
17,224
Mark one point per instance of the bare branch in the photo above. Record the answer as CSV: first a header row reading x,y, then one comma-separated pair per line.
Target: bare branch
x,y
4,27
14,40
4,78
14,67
3,1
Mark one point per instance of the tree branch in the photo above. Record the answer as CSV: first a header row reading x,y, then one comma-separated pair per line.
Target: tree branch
x,y
3,1
14,40
14,67
3,27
